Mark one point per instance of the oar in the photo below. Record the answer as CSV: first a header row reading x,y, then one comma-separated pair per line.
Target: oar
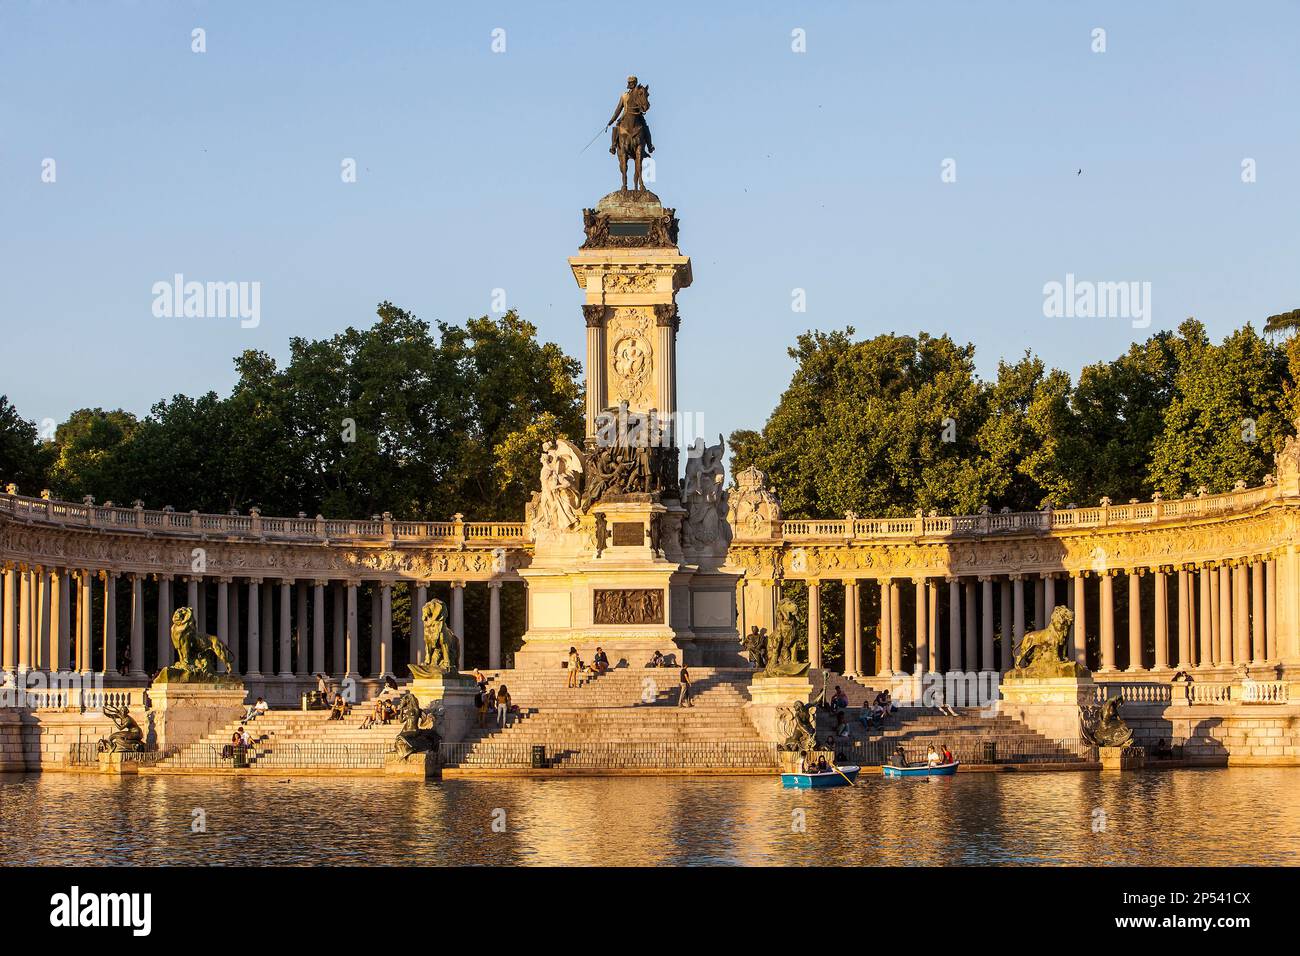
x,y
842,774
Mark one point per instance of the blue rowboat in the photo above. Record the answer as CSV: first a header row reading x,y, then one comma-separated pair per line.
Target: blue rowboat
x,y
922,770
817,781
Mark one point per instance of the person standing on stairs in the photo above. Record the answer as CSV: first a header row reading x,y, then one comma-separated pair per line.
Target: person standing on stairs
x,y
684,700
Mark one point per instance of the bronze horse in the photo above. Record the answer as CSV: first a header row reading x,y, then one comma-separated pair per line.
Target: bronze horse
x,y
631,137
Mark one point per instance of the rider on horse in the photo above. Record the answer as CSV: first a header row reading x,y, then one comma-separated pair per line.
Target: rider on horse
x,y
632,106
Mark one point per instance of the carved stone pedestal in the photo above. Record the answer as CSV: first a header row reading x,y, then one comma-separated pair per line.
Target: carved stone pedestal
x,y
114,763
419,766
768,696
1048,705
185,713
1122,758
455,695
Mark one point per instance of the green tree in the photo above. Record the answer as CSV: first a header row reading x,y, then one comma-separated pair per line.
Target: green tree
x,y
24,458
1227,416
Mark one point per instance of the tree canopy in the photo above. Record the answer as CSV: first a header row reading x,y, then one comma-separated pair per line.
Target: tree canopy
x,y
895,423
395,417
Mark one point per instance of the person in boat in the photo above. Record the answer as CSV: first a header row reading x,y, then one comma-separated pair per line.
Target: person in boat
x,y
947,754
898,758
932,756
822,765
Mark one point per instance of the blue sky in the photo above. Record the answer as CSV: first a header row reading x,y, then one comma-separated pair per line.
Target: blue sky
x,y
817,170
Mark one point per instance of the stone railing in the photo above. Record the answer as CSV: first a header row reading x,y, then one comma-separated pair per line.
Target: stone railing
x,y
1104,515
255,527
84,699
1265,692
1136,693
1209,692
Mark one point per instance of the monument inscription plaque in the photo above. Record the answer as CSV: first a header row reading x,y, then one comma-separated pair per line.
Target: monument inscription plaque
x,y
628,534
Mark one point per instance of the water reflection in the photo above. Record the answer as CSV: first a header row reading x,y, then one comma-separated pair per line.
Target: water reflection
x,y
1211,816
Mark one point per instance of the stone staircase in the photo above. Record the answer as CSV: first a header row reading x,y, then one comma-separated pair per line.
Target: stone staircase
x,y
624,721
292,739
974,736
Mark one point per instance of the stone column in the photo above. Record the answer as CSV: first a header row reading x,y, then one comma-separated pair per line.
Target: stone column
x,y
1160,619
419,598
223,610
350,636
970,652
201,606
135,670
1080,627
1040,597
595,365
86,637
954,624
986,645
267,629
318,665
41,634
1205,619
1106,584
375,625
286,630
65,618
1258,652
664,320
895,629
1135,620
1004,625
851,630
814,625
164,638
56,660
340,630
253,665
302,638
386,630
192,597
9,629
1018,605
1184,619
458,617
236,654
1240,615
494,625
110,622
932,592
1224,658
1049,598
1270,609
884,633
922,627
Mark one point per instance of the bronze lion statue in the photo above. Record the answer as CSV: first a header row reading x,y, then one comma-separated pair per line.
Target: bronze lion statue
x,y
1042,653
441,645
197,655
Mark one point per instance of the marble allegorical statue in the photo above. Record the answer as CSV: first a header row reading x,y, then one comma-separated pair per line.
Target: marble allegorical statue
x,y
197,655
557,508
441,643
705,498
1042,653
1103,726
127,737
781,660
798,722
414,737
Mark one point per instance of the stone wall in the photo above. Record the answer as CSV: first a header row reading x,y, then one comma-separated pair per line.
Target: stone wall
x,y
1236,734
41,739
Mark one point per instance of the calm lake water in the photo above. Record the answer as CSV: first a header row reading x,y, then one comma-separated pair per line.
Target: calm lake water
x,y
1182,817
